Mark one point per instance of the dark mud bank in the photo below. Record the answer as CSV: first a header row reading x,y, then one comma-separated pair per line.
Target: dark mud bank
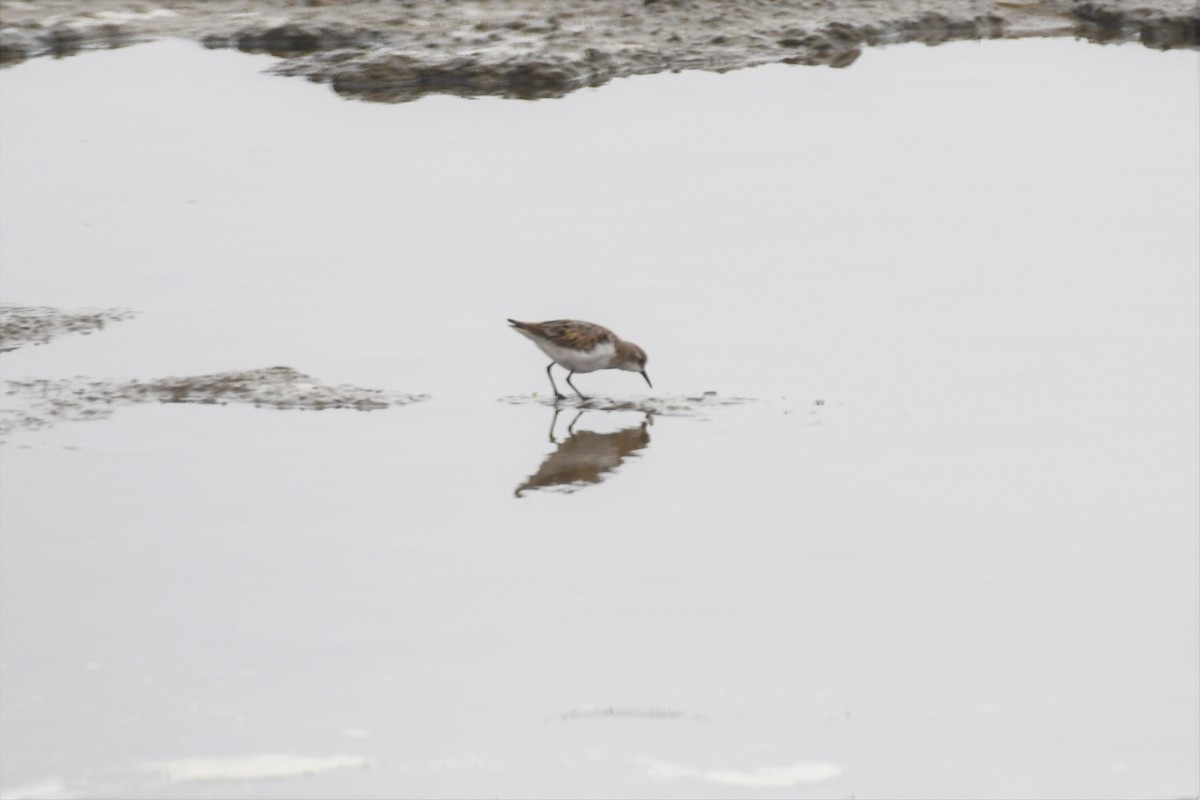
x,y
39,403
399,51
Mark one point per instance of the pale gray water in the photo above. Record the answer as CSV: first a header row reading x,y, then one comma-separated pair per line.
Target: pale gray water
x,y
971,570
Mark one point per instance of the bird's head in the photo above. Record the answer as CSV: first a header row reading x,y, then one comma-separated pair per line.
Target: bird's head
x,y
632,358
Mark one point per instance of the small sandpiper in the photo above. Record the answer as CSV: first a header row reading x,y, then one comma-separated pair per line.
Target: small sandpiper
x,y
579,346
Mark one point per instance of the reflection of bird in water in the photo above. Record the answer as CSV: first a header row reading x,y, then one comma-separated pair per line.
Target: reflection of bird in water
x,y
579,346
585,456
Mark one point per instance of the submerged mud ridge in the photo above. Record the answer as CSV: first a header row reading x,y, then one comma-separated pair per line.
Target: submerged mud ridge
x,y
39,403
25,325
402,50
614,712
666,406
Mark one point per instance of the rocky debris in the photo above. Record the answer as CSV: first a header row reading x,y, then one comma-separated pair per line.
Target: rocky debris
x,y
39,403
286,41
1105,23
22,325
396,78
398,51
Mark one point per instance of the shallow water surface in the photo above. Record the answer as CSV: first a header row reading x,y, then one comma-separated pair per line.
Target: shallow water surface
x,y
911,510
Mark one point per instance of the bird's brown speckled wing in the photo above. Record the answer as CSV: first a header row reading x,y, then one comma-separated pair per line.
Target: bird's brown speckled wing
x,y
571,333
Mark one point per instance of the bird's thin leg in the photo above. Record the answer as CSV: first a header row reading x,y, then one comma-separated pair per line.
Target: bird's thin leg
x,y
557,393
582,396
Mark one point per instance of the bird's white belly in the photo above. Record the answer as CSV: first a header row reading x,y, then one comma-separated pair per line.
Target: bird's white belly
x,y
599,357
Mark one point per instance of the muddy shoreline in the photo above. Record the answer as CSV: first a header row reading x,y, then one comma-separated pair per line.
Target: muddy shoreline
x,y
35,403
399,51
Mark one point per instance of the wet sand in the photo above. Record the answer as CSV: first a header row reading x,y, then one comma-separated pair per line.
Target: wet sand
x,y
394,52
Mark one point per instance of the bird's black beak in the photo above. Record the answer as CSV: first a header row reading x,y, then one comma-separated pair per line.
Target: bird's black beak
x,y
647,377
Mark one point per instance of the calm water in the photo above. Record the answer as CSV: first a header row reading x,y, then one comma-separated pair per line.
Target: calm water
x,y
946,547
